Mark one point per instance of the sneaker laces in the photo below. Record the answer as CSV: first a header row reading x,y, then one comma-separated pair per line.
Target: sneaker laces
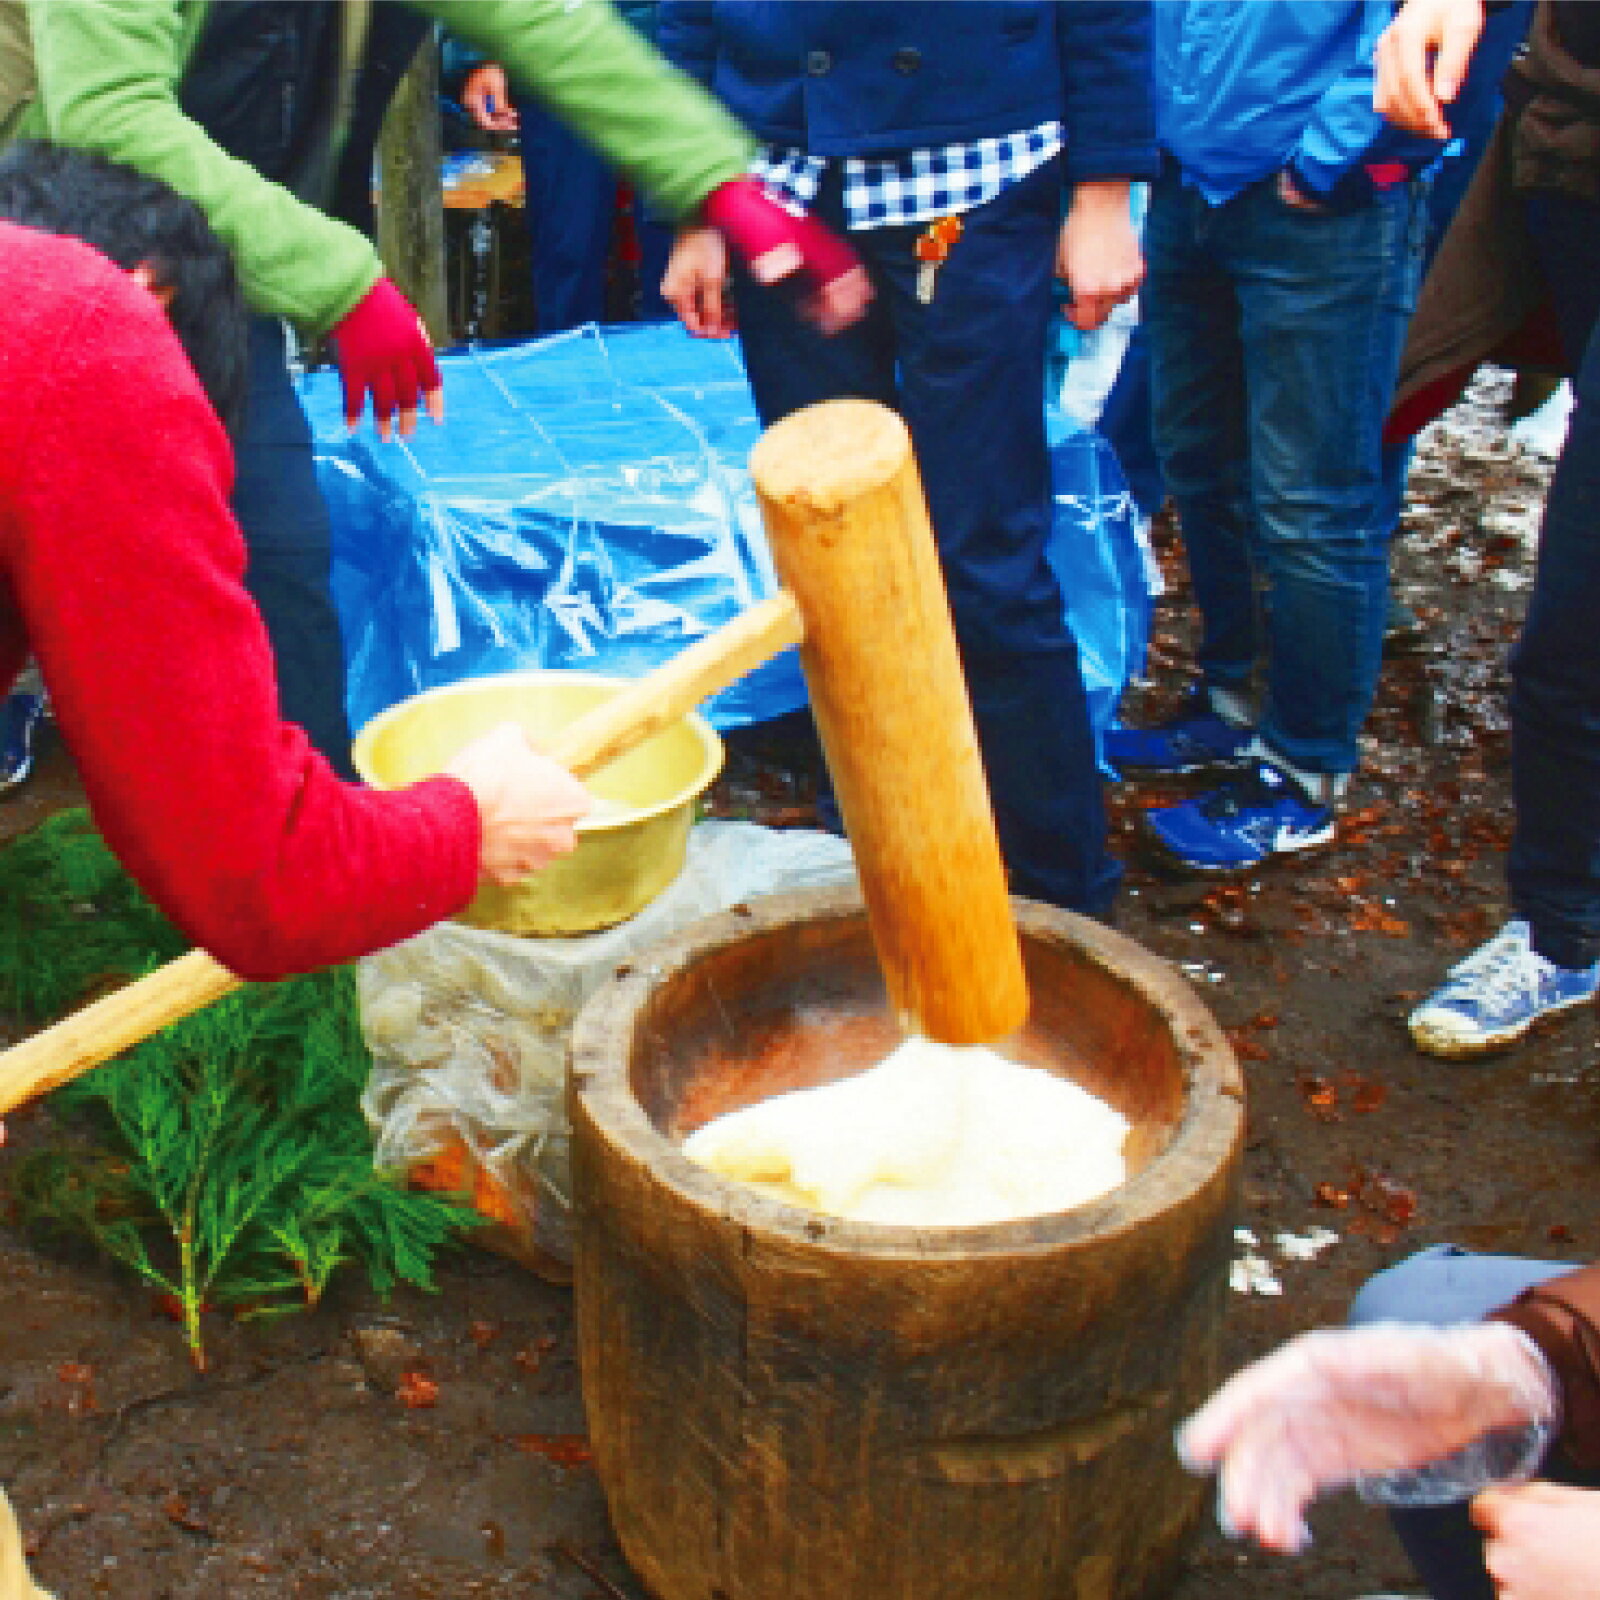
x,y
1504,967
1258,785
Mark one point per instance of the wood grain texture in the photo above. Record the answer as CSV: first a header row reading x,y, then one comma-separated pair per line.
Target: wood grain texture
x,y
111,1025
787,1406
850,537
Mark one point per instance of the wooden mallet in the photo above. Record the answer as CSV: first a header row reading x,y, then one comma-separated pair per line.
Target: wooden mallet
x,y
865,600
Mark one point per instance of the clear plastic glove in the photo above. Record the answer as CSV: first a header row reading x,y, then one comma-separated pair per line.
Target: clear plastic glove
x,y
527,804
1337,1405
383,350
776,246
1540,1541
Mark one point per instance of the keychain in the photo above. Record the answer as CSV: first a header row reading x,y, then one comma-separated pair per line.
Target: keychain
x,y
931,248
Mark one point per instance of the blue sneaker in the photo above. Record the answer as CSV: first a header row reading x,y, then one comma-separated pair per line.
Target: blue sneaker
x,y
1194,739
22,715
1263,813
1491,999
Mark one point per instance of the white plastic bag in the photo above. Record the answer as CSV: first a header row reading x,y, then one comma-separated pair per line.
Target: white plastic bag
x,y
468,1031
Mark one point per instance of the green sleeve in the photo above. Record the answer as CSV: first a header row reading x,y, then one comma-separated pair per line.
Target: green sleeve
x,y
108,75
594,72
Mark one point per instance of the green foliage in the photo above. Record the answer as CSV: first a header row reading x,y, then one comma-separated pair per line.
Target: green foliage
x,y
71,920
229,1164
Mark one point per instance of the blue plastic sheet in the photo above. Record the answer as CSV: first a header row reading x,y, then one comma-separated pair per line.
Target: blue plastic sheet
x,y
1098,552
587,505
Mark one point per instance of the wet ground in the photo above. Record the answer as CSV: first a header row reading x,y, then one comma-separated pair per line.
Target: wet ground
x,y
433,1446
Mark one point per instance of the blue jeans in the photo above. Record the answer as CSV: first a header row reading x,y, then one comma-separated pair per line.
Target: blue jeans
x,y
1554,865
967,373
570,206
1275,340
1446,1284
1125,422
284,520
1473,118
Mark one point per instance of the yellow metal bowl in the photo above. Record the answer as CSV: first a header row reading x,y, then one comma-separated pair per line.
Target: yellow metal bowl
x,y
629,849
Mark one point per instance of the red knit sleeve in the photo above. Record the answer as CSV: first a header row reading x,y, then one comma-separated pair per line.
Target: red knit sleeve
x,y
127,567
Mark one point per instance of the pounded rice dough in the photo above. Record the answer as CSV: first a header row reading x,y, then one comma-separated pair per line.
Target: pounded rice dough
x,y
934,1136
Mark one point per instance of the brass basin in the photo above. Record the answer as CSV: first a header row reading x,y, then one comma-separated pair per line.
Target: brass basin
x,y
629,849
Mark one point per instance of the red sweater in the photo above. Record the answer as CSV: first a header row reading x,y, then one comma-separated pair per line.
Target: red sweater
x,y
121,567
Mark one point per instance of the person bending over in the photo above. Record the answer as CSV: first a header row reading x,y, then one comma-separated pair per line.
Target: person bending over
x,y
265,114
122,570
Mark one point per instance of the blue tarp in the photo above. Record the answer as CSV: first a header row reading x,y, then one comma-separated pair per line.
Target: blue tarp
x,y
586,505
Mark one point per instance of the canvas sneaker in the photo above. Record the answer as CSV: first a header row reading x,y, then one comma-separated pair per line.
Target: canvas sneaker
x,y
22,716
1491,999
1261,814
1193,739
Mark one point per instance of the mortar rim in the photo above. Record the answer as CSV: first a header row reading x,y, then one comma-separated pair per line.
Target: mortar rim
x,y
1207,1139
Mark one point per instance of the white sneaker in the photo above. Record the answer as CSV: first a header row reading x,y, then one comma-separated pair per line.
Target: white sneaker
x,y
1491,999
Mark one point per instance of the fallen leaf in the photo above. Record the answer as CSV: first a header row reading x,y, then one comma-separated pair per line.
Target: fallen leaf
x,y
177,1511
416,1391
1320,1096
564,1449
1368,1096
531,1357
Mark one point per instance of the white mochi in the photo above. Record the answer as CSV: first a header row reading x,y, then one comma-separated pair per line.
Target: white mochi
x,y
934,1136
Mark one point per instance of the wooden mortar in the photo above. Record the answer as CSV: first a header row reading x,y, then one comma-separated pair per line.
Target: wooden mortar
x,y
786,1406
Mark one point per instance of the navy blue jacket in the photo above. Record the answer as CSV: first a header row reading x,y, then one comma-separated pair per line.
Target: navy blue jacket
x,y
876,77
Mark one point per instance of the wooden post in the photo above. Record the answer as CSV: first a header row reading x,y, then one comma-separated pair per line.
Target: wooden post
x,y
850,536
410,209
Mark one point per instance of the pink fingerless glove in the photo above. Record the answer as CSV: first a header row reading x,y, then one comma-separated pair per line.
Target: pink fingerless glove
x,y
383,350
772,243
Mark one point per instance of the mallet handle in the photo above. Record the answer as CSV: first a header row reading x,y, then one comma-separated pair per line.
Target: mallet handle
x,y
850,537
118,1021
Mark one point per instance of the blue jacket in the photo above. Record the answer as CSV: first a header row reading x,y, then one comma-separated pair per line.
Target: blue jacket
x,y
1245,87
876,77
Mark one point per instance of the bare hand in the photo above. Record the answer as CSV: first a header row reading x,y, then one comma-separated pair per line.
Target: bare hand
x,y
487,98
1540,1541
1098,255
1422,62
1296,198
527,805
695,283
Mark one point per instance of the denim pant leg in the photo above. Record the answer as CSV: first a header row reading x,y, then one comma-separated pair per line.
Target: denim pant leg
x,y
1125,424
1554,865
967,373
571,195
1442,1285
284,520
1197,399
1324,301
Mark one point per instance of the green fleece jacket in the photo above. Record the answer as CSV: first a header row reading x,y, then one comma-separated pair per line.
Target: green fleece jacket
x,y
107,74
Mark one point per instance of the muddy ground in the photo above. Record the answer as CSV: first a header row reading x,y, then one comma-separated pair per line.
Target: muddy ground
x,y
295,1467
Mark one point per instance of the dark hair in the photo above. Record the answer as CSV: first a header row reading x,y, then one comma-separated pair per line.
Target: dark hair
x,y
138,220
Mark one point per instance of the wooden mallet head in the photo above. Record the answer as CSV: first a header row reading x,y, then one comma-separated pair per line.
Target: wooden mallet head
x,y
850,536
